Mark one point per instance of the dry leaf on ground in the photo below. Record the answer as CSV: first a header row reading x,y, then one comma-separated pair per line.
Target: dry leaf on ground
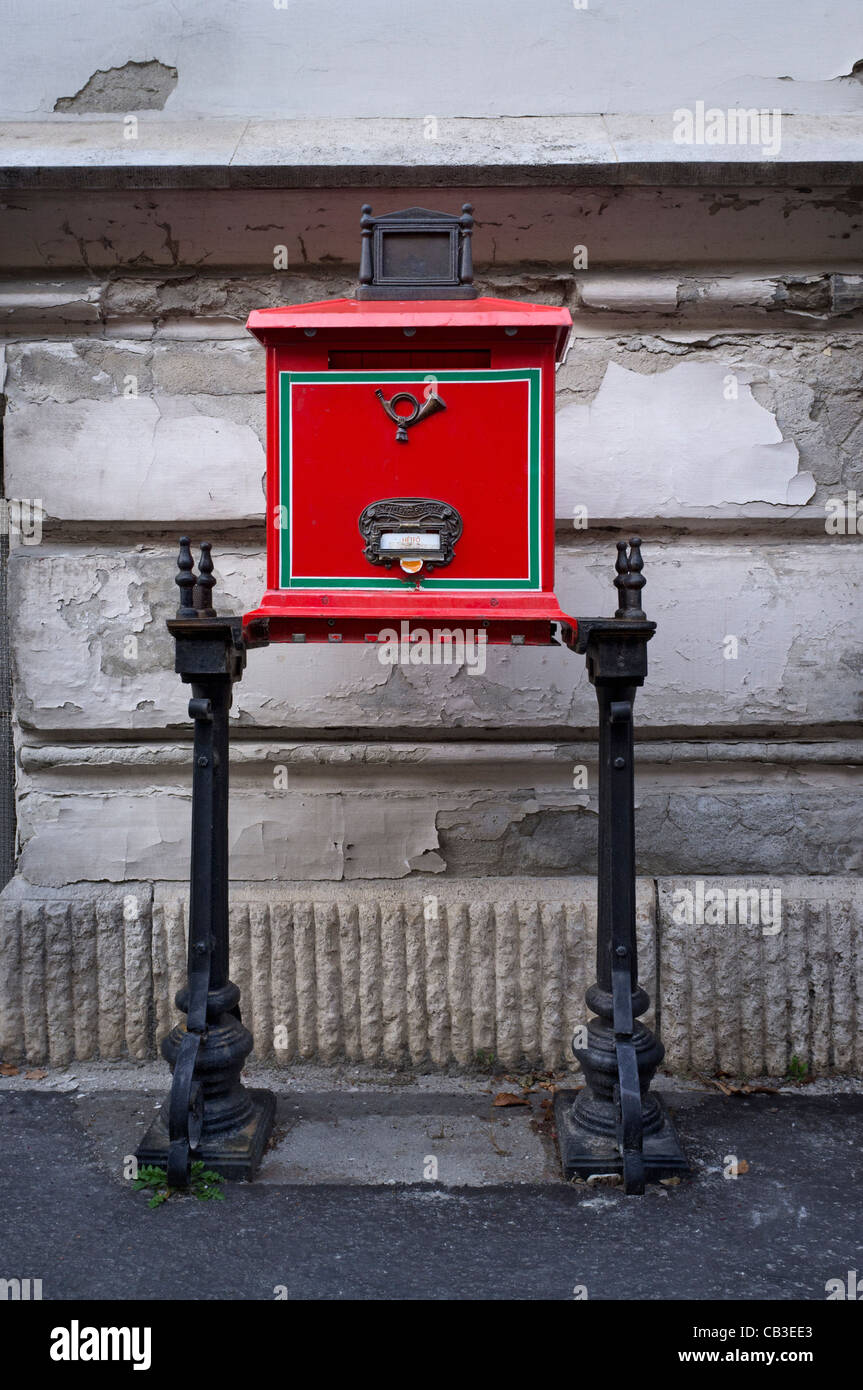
x,y
740,1088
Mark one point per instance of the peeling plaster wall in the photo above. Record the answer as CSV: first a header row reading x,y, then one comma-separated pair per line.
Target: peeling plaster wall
x,y
716,228
728,483
696,444
795,668
132,87
338,58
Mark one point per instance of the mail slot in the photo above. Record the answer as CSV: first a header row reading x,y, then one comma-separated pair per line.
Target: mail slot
x,y
426,538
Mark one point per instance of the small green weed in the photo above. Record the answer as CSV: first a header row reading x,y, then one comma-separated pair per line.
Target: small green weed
x,y
204,1184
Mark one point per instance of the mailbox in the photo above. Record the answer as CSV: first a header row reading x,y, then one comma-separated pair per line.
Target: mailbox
x,y
410,453
410,481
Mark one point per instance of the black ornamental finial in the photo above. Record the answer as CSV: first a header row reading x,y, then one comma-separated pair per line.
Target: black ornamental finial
x,y
366,223
206,583
466,258
630,580
186,580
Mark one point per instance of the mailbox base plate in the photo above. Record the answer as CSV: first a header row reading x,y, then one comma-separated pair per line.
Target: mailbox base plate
x,y
235,1153
584,1154
338,616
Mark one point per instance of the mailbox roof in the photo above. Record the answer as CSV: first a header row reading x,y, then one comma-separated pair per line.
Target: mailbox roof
x,y
362,314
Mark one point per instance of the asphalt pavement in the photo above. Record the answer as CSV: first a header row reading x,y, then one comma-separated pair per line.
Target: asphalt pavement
x,y
348,1206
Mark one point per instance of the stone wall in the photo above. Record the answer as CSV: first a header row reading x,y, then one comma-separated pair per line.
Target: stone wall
x,y
451,973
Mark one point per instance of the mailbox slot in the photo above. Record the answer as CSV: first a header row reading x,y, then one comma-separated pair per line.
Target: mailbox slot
x,y
424,360
413,532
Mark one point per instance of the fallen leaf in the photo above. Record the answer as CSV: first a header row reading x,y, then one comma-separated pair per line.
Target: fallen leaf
x,y
35,1075
720,1085
670,1182
743,1166
507,1098
7,1069
742,1088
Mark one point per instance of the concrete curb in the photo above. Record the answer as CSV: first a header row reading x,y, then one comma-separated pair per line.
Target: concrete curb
x,y
438,973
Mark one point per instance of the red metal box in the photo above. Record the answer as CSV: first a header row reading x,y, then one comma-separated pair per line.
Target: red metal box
x,y
410,468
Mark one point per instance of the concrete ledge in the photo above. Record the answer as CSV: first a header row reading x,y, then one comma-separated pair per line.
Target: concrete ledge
x,y
93,152
745,997
428,974
432,974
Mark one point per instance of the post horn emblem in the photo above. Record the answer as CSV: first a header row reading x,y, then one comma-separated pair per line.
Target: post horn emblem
x,y
418,412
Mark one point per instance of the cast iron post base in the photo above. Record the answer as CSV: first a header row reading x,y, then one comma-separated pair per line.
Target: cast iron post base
x,y
236,1153
209,1117
616,1124
235,1122
584,1154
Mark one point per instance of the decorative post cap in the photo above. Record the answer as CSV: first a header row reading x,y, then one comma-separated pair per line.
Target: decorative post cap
x,y
206,583
630,580
186,580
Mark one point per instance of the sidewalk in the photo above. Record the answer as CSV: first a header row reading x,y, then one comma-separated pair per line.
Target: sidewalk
x,y
343,1209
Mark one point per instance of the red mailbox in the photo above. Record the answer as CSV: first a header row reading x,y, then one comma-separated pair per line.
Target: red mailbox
x,y
410,454
410,477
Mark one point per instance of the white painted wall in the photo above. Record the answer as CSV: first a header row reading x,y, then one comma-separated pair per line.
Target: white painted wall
x,y
329,58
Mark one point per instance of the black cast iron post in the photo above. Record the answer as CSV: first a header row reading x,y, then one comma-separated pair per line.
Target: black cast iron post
x,y
616,1124
209,1115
